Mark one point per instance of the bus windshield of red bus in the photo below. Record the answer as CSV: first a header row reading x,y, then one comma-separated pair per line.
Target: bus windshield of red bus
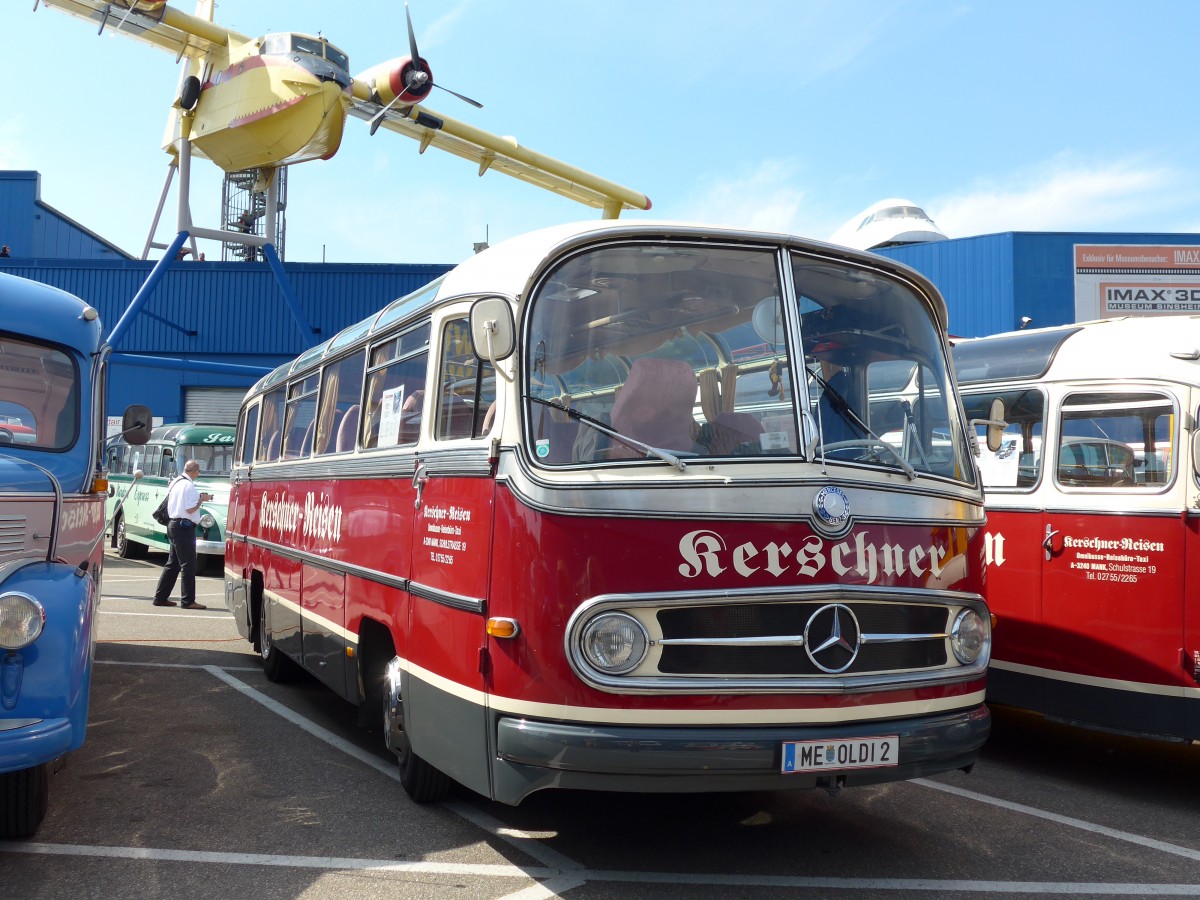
x,y
39,396
637,348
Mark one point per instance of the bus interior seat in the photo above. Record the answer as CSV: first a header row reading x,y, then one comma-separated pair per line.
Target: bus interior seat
x,y
655,405
347,430
729,430
272,451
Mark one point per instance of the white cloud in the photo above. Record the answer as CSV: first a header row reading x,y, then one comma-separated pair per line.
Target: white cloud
x,y
764,198
1066,194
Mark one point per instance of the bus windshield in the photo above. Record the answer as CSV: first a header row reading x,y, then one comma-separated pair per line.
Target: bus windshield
x,y
39,395
638,348
214,459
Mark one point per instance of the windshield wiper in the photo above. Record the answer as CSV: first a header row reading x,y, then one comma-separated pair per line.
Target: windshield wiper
x,y
664,455
842,405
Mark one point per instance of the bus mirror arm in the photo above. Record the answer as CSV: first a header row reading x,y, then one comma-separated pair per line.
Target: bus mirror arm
x,y
490,329
995,428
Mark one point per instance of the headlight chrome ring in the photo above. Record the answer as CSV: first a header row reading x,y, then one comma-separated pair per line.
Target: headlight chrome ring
x,y
22,619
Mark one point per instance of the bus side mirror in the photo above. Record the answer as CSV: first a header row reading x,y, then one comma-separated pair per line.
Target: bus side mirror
x,y
493,332
136,424
995,426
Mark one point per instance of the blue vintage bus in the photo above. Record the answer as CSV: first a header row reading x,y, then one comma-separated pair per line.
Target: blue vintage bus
x,y
52,494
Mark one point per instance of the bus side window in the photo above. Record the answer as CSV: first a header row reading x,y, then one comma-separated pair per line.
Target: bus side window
x,y
270,435
1116,440
341,385
396,390
152,464
248,435
169,467
1018,462
460,412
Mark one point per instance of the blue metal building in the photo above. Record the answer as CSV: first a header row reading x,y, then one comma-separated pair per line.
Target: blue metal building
x,y
992,281
209,312
235,313
31,228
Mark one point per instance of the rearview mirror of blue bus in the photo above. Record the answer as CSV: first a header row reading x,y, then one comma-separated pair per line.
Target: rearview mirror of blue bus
x,y
136,424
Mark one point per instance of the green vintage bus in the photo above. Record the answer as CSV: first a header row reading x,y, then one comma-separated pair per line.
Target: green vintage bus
x,y
131,500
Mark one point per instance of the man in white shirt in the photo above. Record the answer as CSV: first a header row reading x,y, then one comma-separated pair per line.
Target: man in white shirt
x,y
183,506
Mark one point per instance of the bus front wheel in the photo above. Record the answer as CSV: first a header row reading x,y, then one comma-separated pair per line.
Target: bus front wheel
x,y
276,666
421,781
24,798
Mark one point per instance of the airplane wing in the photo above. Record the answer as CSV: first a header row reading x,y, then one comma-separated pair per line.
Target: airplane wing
x,y
152,22
502,154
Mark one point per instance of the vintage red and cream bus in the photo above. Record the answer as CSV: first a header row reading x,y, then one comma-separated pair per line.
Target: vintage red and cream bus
x,y
1092,502
610,506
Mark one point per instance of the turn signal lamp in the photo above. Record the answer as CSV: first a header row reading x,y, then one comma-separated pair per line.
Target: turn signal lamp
x,y
503,628
100,485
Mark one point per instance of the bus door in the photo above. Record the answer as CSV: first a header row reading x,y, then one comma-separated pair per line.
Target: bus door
x,y
1112,582
1015,480
1189,472
451,559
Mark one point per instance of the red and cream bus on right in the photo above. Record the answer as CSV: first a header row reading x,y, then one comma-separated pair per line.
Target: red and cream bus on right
x,y
1093,503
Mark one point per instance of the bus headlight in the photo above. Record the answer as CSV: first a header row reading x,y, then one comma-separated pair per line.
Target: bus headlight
x,y
207,521
969,638
21,620
614,643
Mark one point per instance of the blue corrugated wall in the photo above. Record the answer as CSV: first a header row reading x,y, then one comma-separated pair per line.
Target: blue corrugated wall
x,y
990,282
230,312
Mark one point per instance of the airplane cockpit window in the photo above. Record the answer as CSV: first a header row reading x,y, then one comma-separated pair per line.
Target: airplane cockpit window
x,y
288,43
896,212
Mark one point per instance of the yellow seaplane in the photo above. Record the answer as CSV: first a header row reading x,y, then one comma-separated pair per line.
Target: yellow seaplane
x,y
258,103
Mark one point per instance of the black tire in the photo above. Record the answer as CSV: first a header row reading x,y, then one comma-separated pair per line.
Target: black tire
x,y
6,436
190,94
276,666
24,799
126,549
422,782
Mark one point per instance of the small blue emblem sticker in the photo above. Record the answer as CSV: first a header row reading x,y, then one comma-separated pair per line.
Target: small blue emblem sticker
x,y
542,447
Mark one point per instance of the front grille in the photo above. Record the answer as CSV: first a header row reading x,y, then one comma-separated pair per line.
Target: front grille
x,y
896,636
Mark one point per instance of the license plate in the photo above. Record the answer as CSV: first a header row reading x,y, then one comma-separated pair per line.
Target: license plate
x,y
850,753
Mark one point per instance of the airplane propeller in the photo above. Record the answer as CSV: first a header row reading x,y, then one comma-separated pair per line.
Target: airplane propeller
x,y
418,78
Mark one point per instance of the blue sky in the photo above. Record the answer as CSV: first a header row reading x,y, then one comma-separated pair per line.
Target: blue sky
x,y
792,116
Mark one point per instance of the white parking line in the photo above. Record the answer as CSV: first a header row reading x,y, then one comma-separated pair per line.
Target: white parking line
x,y
267,859
1161,846
560,874
557,883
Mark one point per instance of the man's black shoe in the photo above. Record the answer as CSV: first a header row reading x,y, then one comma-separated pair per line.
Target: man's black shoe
x,y
164,602
191,606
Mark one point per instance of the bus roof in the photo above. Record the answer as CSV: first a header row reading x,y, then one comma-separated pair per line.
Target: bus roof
x,y
45,313
191,432
1166,346
510,267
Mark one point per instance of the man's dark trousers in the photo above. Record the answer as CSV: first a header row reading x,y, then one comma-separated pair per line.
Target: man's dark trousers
x,y
182,558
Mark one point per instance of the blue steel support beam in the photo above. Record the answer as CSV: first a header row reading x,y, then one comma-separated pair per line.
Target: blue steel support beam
x,y
306,331
144,292
183,363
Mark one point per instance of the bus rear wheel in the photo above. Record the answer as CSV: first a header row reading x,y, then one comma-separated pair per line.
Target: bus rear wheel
x,y
24,798
127,549
422,782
